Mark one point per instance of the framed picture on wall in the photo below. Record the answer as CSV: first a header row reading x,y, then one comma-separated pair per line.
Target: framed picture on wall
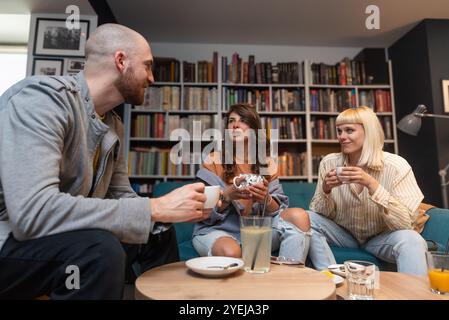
x,y
53,38
446,95
48,67
75,64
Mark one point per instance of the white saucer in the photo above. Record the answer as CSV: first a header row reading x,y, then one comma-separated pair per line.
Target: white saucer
x,y
337,279
206,265
337,269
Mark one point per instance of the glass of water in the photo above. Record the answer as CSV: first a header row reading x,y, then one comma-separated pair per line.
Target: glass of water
x,y
255,232
361,277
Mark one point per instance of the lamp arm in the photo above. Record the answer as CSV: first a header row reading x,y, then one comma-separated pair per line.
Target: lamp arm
x,y
429,115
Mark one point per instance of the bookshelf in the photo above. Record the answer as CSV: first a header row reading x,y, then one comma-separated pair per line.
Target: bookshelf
x,y
304,111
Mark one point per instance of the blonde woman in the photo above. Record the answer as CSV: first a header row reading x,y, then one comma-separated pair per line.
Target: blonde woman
x,y
371,203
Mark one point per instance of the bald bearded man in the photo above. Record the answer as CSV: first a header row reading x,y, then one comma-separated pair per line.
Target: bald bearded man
x,y
70,224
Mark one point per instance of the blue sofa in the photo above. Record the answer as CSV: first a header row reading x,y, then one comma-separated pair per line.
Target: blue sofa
x,y
300,195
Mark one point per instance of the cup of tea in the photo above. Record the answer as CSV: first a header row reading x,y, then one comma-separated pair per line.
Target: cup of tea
x,y
339,171
246,180
438,272
212,194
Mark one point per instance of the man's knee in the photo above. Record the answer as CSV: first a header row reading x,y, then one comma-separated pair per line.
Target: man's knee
x,y
104,250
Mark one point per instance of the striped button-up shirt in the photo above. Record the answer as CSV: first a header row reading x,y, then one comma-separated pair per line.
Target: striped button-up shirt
x,y
393,206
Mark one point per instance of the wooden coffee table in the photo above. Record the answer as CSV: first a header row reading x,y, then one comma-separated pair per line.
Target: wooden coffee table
x,y
176,282
399,286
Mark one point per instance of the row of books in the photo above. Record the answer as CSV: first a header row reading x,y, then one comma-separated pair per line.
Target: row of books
x,y
378,100
283,99
387,126
168,98
325,128
288,127
316,159
148,126
202,71
346,72
288,100
161,98
200,98
204,122
239,71
331,100
153,125
166,69
292,164
155,161
260,98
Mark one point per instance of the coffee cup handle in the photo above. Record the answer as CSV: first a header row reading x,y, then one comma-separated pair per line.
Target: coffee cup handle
x,y
234,181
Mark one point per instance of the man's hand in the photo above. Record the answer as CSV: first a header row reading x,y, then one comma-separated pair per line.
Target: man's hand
x,y
181,205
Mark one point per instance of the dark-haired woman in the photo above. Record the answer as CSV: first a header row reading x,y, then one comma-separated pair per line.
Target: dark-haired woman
x,y
220,234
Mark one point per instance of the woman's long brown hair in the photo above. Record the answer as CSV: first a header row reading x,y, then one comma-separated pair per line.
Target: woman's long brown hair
x,y
248,114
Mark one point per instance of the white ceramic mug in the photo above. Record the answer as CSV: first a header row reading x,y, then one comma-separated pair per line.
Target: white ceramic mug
x,y
212,194
338,171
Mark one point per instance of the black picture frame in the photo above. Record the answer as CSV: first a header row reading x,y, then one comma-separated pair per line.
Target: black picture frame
x,y
53,38
48,67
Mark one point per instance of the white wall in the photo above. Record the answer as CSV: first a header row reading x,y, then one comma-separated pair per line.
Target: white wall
x,y
194,52
13,68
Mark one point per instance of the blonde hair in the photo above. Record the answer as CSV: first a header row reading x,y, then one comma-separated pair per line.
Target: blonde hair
x,y
372,154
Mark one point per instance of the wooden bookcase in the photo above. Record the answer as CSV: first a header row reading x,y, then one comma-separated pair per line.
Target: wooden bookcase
x,y
308,144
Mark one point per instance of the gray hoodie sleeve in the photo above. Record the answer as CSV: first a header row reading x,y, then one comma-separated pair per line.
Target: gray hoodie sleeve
x,y
32,131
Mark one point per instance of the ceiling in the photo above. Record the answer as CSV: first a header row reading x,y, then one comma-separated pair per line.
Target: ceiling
x,y
276,22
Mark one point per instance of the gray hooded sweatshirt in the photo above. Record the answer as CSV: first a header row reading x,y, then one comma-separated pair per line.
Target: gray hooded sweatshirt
x,y
49,132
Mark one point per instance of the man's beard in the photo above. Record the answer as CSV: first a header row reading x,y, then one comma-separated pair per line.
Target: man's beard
x,y
130,89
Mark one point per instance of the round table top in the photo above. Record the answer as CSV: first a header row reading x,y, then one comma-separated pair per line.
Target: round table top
x,y
176,282
399,286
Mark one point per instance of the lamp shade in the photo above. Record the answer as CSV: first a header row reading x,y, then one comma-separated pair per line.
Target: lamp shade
x,y
410,124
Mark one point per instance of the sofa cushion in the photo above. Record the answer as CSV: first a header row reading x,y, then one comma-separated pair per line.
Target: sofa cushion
x,y
437,227
299,193
163,188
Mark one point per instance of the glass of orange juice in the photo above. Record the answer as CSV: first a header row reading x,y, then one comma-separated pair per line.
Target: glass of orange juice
x,y
438,270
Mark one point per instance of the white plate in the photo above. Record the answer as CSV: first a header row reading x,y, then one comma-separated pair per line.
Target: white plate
x,y
338,269
206,265
337,279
